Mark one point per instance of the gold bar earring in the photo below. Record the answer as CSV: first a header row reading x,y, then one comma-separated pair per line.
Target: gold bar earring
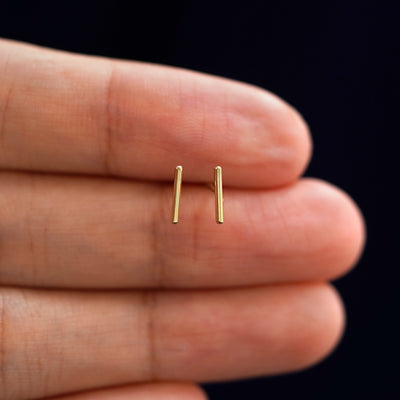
x,y
219,206
177,194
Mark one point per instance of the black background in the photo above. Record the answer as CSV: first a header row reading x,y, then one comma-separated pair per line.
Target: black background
x,y
337,62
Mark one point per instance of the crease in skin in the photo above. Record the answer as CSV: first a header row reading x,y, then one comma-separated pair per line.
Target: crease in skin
x,y
158,266
4,113
150,301
159,269
110,123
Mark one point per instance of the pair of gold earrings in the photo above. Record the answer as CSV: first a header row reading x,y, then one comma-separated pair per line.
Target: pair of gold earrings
x,y
219,207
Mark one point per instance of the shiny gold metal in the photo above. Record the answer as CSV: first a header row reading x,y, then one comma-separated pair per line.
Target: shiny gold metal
x,y
219,200
177,194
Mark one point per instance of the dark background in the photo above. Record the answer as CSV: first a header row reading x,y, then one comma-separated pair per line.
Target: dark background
x,y
337,62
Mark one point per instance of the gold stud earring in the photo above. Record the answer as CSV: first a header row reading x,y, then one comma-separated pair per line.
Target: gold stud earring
x,y
219,200
177,194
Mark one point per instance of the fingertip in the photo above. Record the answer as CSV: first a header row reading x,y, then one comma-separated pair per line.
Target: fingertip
x,y
323,323
344,228
293,143
304,143
271,144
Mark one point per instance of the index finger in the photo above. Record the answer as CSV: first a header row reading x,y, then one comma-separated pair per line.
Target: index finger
x,y
77,114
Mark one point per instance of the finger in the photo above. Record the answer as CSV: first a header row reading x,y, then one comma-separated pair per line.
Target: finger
x,y
99,233
152,391
69,113
55,342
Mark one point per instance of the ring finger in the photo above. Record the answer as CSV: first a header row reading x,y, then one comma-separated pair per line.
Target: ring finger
x,y
55,342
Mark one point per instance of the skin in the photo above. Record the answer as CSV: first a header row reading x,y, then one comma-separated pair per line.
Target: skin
x,y
101,297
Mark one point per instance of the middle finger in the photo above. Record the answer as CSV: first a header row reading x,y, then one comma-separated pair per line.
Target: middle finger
x,y
102,233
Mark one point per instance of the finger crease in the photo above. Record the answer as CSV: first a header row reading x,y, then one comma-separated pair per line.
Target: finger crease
x,y
150,302
7,101
110,126
157,223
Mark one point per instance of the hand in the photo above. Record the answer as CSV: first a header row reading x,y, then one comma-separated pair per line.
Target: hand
x,y
100,289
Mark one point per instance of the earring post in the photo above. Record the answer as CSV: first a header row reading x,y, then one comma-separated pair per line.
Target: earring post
x,y
177,193
219,207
